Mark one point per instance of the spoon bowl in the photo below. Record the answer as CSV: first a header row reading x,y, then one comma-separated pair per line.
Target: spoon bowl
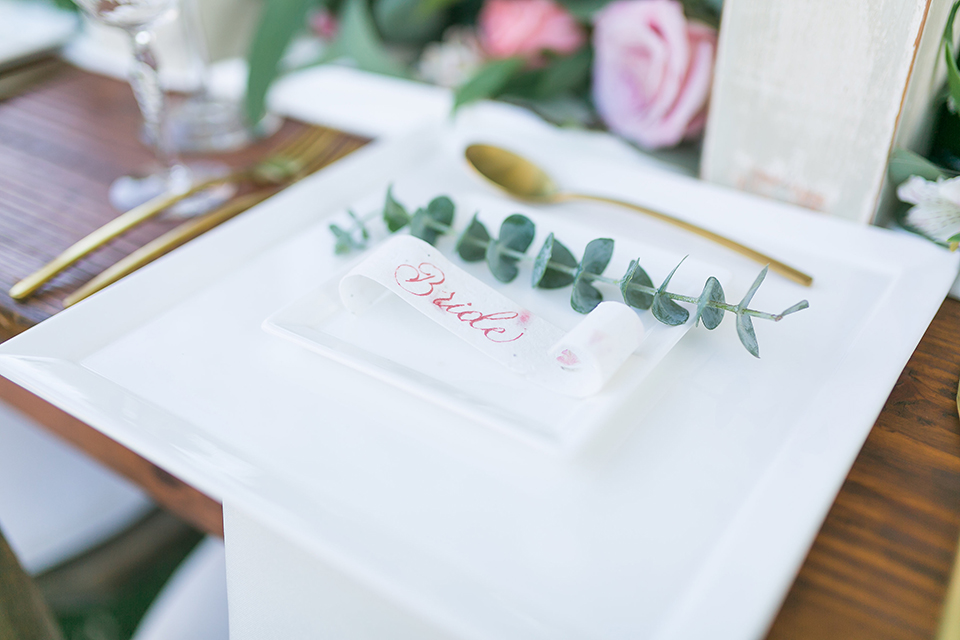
x,y
514,174
524,180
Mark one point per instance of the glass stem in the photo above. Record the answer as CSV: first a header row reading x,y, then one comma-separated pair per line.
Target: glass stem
x,y
146,87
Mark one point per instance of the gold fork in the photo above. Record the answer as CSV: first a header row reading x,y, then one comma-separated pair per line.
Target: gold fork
x,y
278,168
197,226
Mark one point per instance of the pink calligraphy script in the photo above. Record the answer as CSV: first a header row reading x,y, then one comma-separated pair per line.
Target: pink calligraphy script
x,y
423,280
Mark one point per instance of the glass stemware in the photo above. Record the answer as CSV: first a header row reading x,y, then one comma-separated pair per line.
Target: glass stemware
x,y
138,18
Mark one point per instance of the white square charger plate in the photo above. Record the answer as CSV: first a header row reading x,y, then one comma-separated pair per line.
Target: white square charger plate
x,y
684,516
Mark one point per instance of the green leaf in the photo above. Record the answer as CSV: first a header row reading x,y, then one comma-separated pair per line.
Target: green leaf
x,y
545,275
905,163
596,257
358,223
800,306
666,310
473,242
358,39
279,22
711,316
516,234
487,82
427,224
584,9
633,296
344,241
394,213
953,73
748,296
562,75
409,21
744,322
748,337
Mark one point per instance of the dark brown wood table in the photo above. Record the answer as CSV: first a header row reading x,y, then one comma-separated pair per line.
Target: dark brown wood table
x,y
878,568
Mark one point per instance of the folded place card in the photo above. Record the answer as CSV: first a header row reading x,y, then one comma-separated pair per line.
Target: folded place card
x,y
576,363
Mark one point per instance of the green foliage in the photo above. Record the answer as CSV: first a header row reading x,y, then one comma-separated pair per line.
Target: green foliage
x,y
555,267
596,257
279,22
427,224
634,287
488,82
394,213
905,163
409,21
553,254
953,73
711,316
503,254
562,75
744,322
664,308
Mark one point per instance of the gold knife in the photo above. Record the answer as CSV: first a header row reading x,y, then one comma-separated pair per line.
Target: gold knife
x,y
168,242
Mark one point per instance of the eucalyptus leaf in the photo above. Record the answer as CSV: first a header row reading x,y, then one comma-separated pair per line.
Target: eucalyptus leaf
x,y
634,297
473,242
546,276
279,22
748,296
358,223
905,163
800,306
516,235
487,82
596,257
428,224
748,337
666,310
344,242
711,316
409,21
394,214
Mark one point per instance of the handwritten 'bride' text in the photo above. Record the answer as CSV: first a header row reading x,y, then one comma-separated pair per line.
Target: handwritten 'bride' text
x,y
423,281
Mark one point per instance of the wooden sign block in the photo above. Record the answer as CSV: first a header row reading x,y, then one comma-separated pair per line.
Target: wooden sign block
x,y
808,96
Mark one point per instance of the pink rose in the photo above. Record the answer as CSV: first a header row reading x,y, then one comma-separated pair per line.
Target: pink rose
x,y
652,71
526,28
324,24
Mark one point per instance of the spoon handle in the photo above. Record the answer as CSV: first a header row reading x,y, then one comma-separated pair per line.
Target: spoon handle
x,y
775,265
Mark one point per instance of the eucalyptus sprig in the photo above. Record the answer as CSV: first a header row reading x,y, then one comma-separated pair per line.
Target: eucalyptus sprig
x,y
555,266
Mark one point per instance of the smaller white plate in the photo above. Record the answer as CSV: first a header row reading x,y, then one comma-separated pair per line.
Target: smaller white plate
x,y
395,343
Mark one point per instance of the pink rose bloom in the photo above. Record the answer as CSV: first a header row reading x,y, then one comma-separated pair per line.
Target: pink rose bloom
x,y
324,24
652,71
526,28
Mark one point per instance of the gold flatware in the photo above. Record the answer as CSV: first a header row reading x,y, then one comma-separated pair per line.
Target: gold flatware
x,y
523,179
281,166
193,228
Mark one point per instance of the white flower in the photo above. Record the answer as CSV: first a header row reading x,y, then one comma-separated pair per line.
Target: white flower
x,y
452,61
936,210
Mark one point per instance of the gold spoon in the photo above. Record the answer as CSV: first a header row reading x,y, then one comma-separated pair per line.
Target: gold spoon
x,y
524,180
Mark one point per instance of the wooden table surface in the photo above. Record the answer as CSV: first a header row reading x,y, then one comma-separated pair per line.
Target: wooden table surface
x,y
878,568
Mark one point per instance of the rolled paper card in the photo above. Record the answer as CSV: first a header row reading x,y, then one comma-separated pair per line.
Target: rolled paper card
x,y
578,363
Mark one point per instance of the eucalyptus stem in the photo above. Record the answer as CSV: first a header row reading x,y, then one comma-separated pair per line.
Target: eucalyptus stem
x,y
522,257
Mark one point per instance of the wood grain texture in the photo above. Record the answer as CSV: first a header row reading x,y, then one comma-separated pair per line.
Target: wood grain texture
x,y
879,567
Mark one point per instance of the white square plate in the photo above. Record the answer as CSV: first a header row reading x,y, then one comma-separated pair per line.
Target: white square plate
x,y
686,514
